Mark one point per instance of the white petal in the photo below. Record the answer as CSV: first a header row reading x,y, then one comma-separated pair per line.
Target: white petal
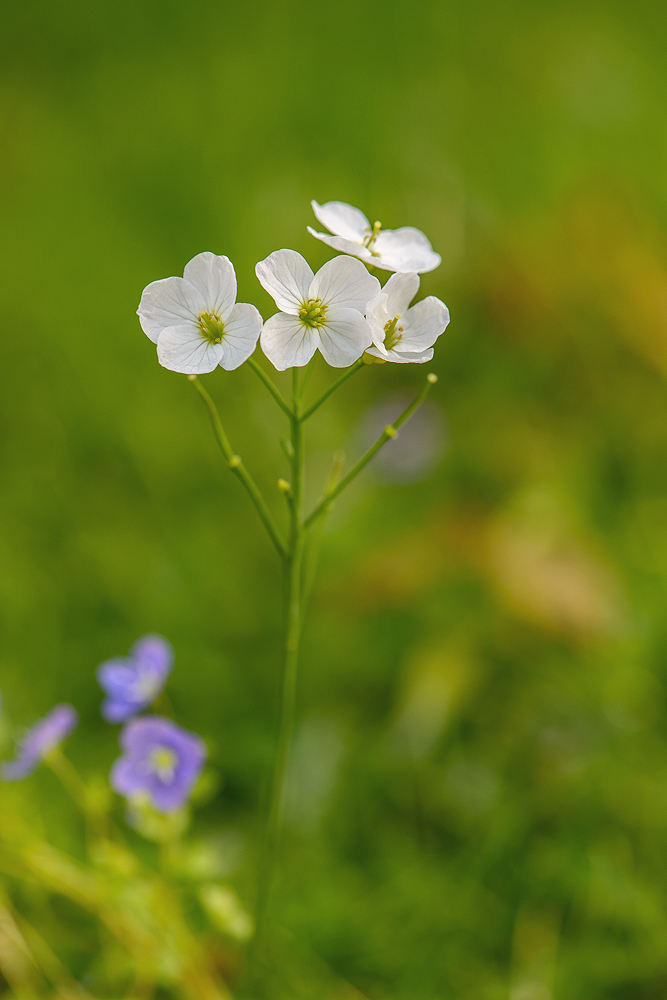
x,y
242,331
344,246
214,277
343,220
344,337
168,302
378,306
405,249
377,333
377,318
287,343
344,282
423,324
183,349
406,357
400,291
286,276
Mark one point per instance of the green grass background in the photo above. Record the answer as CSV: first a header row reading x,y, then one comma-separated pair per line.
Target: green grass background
x,y
479,792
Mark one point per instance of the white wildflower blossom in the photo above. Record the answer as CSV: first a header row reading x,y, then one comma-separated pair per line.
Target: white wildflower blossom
x,y
195,320
322,311
405,249
402,333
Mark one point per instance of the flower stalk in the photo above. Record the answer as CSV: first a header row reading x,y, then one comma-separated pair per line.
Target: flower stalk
x,y
293,625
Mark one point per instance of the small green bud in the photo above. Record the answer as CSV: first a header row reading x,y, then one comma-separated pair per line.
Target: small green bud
x,y
284,486
234,462
432,378
390,431
191,378
288,450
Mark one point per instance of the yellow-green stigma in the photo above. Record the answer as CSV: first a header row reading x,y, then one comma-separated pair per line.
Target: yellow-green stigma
x,y
211,327
392,333
163,763
372,236
313,313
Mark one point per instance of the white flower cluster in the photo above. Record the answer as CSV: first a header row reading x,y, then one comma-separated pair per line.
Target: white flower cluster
x,y
342,311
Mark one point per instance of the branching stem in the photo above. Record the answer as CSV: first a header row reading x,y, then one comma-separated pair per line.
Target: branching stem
x,y
348,373
387,434
292,555
235,463
273,389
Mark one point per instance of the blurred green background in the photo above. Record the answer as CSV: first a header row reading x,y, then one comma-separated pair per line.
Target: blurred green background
x,y
478,795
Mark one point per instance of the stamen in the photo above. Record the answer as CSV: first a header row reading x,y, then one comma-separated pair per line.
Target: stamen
x,y
211,327
372,236
313,313
392,333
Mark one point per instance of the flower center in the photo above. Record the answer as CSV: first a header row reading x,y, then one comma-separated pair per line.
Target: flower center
x,y
313,313
370,239
211,327
163,762
392,333
145,688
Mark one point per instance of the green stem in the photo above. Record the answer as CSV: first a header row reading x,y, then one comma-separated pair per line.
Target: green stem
x,y
273,389
312,553
235,463
307,372
294,607
69,778
388,433
357,366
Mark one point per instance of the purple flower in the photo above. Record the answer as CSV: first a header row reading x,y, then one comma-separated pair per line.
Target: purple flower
x,y
160,760
133,682
40,740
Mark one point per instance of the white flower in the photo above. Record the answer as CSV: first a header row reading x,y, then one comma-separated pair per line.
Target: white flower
x,y
401,333
405,249
322,311
195,320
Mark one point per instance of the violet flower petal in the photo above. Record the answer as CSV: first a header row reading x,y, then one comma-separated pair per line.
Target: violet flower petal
x,y
132,683
40,740
160,759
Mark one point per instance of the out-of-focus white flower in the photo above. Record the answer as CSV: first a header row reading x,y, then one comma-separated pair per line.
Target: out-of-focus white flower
x,y
322,311
401,333
195,320
404,249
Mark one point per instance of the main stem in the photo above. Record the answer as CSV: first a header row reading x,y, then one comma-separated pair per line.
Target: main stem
x,y
293,604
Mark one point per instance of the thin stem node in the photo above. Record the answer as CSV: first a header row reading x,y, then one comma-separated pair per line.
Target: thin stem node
x,y
387,434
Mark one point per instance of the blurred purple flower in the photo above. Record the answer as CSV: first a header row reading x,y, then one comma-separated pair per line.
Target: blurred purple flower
x,y
133,682
40,740
160,760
